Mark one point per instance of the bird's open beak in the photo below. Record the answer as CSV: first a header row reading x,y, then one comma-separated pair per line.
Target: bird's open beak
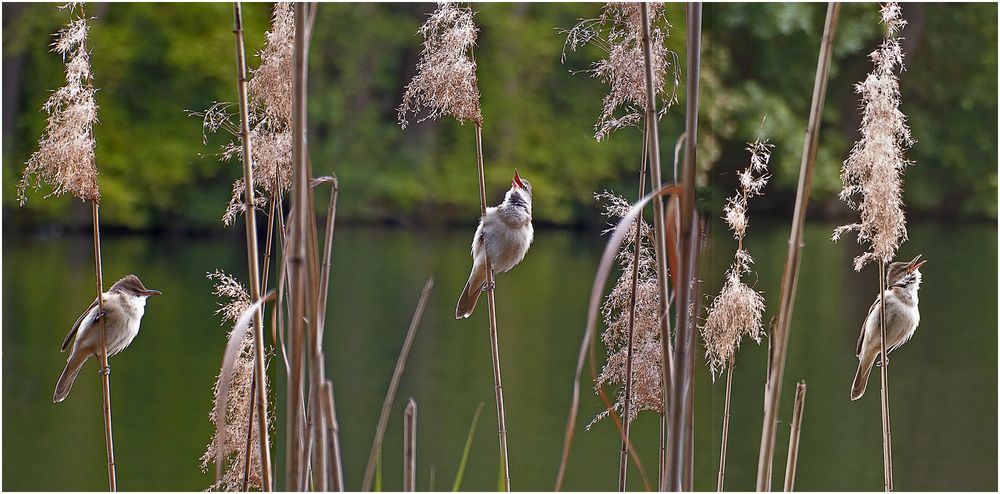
x,y
517,180
150,293
915,264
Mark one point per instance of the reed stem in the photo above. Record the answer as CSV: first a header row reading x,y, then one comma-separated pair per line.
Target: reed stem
x,y
410,447
778,341
494,343
298,278
390,394
680,432
725,427
886,430
105,372
627,409
659,244
793,437
249,215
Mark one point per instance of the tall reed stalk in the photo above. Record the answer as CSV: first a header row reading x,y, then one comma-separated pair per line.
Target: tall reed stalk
x,y
494,340
66,161
446,84
252,254
793,436
789,280
884,391
105,372
680,425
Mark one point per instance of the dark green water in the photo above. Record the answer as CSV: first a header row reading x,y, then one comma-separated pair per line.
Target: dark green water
x,y
944,382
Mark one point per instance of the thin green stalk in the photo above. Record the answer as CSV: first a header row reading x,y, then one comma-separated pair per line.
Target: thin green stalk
x,y
460,473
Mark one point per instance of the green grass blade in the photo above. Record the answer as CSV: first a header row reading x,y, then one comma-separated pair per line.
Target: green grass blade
x,y
465,453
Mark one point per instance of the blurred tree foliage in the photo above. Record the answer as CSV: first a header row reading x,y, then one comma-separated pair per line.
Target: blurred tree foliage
x,y
154,62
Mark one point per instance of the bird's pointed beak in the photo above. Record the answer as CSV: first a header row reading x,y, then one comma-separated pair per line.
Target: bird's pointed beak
x,y
150,293
915,264
517,180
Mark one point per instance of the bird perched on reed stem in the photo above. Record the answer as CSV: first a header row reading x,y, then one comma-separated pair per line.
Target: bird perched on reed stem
x,y
124,305
901,319
504,235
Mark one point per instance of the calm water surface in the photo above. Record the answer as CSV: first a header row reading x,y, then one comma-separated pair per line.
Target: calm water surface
x,y
944,382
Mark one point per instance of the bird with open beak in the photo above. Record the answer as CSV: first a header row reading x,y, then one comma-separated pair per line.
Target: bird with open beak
x,y
124,305
901,320
503,236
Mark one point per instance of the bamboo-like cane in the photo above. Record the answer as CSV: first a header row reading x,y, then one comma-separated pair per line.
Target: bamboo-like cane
x,y
779,335
886,432
105,371
623,457
679,431
410,447
390,394
494,341
725,427
793,437
252,260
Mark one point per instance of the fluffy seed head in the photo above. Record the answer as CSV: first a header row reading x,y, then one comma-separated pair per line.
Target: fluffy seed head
x,y
646,358
446,82
618,31
65,158
737,311
232,440
873,170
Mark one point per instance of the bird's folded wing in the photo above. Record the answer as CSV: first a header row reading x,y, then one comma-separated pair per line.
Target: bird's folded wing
x,y
77,324
864,325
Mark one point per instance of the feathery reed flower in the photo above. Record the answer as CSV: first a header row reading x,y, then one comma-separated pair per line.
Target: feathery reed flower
x,y
618,31
874,168
646,355
446,82
738,309
270,114
232,440
65,157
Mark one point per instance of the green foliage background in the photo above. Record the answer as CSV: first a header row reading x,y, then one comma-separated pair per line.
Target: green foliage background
x,y
153,62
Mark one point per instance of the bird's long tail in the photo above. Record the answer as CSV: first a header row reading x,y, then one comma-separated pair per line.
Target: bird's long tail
x,y
65,383
470,295
861,377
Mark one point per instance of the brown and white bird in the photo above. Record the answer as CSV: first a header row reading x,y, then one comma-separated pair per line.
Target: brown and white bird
x,y
901,320
124,304
504,235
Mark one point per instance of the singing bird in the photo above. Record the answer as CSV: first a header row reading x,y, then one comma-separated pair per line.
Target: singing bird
x,y
504,235
901,320
124,304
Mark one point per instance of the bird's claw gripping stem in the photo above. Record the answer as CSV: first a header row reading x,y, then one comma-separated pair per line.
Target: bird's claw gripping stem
x,y
105,371
488,287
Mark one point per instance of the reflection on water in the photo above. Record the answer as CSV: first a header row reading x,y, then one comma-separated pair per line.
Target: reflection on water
x,y
944,381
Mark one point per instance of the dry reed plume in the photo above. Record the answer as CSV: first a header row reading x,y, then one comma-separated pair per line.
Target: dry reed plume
x,y
65,157
232,440
646,357
270,113
65,160
618,31
738,309
874,168
445,83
